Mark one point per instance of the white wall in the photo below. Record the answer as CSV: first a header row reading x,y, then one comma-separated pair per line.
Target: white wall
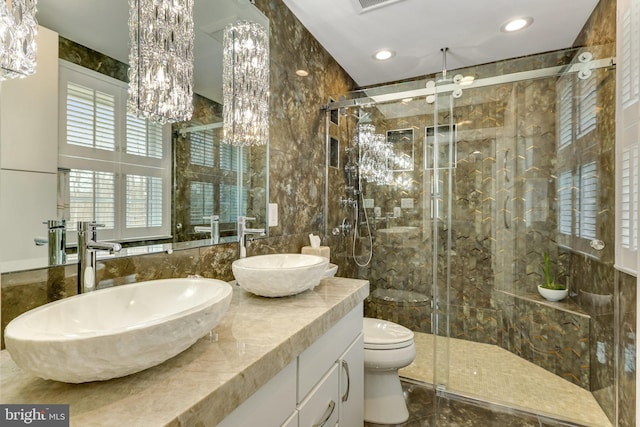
x,y
29,153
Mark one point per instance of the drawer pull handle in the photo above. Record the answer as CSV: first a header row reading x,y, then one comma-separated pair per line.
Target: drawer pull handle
x,y
326,415
345,366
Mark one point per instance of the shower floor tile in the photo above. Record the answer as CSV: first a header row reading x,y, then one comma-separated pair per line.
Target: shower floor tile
x,y
492,374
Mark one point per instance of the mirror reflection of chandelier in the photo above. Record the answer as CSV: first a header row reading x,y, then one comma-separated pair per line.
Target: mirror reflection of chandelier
x,y
245,84
374,152
161,59
18,29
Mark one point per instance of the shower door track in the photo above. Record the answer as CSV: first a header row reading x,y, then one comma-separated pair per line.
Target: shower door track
x,y
487,81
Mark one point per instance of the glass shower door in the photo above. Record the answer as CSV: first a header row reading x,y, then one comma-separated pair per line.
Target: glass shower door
x,y
440,161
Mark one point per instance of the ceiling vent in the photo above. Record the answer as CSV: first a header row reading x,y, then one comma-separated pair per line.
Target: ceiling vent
x,y
363,6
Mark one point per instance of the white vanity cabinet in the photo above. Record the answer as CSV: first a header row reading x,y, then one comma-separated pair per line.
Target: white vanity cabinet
x,y
334,362
323,387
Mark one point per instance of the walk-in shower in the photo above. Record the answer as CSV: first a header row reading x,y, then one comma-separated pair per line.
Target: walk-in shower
x,y
485,172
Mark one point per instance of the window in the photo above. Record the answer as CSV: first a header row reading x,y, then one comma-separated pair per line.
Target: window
x,y
116,166
629,200
587,105
565,203
565,112
587,202
627,135
217,171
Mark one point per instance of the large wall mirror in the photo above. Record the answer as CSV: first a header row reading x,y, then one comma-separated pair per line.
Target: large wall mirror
x,y
207,179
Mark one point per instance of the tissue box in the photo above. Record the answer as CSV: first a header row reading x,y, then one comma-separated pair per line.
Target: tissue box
x,y
321,251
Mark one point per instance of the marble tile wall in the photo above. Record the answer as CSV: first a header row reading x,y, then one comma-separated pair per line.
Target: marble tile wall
x,y
296,179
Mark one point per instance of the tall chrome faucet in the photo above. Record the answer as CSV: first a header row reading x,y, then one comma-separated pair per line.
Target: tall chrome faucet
x,y
88,246
243,231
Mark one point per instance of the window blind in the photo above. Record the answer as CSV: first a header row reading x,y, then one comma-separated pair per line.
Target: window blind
x,y
144,138
588,201
587,106
144,201
629,204
565,202
202,148
92,198
565,112
90,117
202,200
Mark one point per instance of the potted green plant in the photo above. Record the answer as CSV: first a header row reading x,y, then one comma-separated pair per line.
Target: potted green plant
x,y
550,289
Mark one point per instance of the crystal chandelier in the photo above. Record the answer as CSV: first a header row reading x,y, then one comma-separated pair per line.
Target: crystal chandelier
x,y
18,28
245,87
161,59
374,152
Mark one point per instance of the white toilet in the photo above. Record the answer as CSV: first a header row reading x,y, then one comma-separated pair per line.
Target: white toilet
x,y
387,348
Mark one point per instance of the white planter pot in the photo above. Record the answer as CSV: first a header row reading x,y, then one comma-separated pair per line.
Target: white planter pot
x,y
553,294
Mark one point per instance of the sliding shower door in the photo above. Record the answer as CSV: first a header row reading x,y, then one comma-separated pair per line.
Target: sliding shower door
x,y
440,163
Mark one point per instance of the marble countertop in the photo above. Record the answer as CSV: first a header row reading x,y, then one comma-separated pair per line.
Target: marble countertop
x,y
256,339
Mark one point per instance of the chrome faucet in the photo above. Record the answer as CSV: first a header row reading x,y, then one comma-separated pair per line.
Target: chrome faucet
x,y
88,246
243,231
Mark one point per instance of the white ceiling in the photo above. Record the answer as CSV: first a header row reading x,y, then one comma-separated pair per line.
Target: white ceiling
x,y
417,29
103,26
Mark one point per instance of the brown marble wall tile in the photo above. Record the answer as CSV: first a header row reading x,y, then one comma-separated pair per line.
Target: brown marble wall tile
x,y
627,367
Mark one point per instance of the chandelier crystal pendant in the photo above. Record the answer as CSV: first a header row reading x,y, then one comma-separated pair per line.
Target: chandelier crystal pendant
x,y
161,59
374,153
18,29
245,87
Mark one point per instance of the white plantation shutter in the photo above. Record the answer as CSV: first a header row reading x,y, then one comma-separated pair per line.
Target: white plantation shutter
x,y
202,199
565,112
587,105
144,138
119,164
565,203
92,198
629,200
588,204
90,117
144,201
202,148
627,134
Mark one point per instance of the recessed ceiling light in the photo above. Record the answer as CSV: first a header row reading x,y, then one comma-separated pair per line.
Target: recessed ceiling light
x,y
384,54
516,24
302,73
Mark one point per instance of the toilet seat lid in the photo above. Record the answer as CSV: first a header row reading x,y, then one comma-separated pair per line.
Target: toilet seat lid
x,y
384,334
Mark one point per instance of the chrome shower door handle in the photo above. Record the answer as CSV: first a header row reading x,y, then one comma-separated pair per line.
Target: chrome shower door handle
x,y
507,223
504,165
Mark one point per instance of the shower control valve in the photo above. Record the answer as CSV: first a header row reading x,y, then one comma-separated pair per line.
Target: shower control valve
x,y
347,202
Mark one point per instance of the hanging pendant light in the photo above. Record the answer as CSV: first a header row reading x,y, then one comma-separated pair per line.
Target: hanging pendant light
x,y
245,90
374,154
161,59
18,29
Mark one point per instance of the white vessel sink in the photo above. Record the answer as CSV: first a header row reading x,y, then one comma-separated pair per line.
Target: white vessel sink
x,y
115,332
279,275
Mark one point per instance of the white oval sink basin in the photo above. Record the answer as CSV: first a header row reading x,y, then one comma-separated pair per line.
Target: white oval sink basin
x,y
279,275
117,331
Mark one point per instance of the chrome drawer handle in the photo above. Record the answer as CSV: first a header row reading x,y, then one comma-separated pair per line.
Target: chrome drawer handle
x,y
345,366
327,414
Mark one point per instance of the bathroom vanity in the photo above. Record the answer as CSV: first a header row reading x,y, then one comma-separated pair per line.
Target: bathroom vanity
x,y
292,361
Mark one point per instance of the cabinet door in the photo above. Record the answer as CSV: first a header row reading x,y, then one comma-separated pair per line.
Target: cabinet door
x,y
321,406
351,365
270,405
